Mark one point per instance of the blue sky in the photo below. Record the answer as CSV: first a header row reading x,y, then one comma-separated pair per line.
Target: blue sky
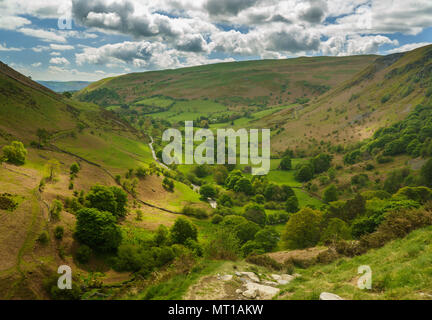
x,y
111,37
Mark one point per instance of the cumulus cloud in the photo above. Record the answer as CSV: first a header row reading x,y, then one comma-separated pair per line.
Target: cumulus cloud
x,y
59,61
228,7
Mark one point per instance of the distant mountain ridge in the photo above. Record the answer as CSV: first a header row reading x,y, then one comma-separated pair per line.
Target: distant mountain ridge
x,y
62,86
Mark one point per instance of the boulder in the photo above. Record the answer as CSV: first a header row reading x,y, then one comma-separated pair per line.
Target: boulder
x,y
270,283
226,277
251,276
250,293
264,292
329,296
276,277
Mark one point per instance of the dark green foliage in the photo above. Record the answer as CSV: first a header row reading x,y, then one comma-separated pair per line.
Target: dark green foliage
x,y
232,179
285,163
226,201
208,191
330,194
321,163
111,199
243,185
274,192
246,231
83,254
360,180
198,213
395,180
56,209
15,153
50,285
224,245
43,237
161,236
335,230
274,218
233,220
292,205
267,239
98,229
426,173
385,98
217,219
304,173
303,229
59,232
418,194
182,230
74,168
348,210
255,213
168,184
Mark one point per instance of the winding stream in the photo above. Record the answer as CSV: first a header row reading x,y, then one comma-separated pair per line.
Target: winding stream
x,y
195,188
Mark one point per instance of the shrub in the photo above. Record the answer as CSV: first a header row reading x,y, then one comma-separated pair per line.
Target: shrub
x,y
418,194
111,199
285,164
208,191
264,261
74,168
426,173
267,239
255,213
43,237
59,232
246,231
330,194
336,230
168,184
97,229
303,229
83,254
183,230
198,213
56,209
161,236
223,246
304,173
55,293
217,219
15,153
292,205
233,220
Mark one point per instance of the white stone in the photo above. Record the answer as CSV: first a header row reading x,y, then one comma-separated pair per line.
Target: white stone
x,y
329,296
288,277
264,292
276,277
239,291
251,276
282,282
238,274
270,283
226,277
250,293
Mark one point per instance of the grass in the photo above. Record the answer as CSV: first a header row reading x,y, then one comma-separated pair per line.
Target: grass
x,y
400,270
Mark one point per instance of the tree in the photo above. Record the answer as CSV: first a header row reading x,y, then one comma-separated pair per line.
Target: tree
x,y
43,135
330,194
183,230
220,174
243,185
74,168
53,167
304,174
303,229
208,191
292,205
336,230
15,153
98,230
285,163
246,231
255,213
267,239
111,199
321,163
426,173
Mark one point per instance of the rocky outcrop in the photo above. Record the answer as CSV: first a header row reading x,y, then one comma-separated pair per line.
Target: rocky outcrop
x,y
329,296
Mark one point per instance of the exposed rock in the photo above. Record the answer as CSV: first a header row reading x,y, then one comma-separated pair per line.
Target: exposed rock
x,y
239,291
264,292
250,293
251,276
276,277
329,296
238,274
227,277
282,282
270,283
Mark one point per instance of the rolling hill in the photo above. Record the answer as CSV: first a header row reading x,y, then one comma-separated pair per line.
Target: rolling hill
x,y
65,86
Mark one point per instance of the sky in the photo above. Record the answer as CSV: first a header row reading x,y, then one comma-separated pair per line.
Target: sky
x,y
64,40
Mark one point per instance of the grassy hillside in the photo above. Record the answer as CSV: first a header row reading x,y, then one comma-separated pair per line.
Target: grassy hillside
x,y
266,82
381,94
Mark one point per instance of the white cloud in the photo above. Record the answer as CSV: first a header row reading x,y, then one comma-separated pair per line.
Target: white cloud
x,y
36,64
3,47
408,47
59,61
61,47
44,35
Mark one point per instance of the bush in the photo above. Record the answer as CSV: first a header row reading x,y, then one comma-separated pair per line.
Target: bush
x,y
74,168
55,293
426,173
161,236
285,164
255,213
304,173
217,219
303,229
223,246
97,229
182,230
292,205
264,261
43,237
111,199
267,239
336,230
330,194
208,191
56,209
418,194
83,254
246,231
59,232
233,220
15,153
198,213
168,184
